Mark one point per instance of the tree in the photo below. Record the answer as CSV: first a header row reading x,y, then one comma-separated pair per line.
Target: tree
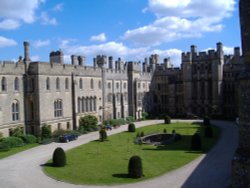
x,y
135,167
59,157
17,131
89,123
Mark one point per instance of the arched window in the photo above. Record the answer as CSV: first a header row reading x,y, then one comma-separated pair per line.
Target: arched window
x,y
4,84
100,84
47,84
91,104
87,104
16,84
15,110
57,83
66,83
80,83
83,104
79,105
92,84
94,104
58,108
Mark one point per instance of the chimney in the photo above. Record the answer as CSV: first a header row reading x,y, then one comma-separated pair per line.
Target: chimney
x,y
26,51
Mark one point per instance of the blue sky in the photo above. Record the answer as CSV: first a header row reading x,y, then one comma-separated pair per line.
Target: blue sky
x,y
130,29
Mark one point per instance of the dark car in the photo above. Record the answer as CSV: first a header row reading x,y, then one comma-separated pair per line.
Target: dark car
x,y
68,137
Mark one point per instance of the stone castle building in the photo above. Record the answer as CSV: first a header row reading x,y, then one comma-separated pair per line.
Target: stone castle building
x,y
58,94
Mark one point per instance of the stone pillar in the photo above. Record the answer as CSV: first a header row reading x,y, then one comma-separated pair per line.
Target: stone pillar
x,y
26,51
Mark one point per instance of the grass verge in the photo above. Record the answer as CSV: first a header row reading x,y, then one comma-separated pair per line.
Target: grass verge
x,y
107,162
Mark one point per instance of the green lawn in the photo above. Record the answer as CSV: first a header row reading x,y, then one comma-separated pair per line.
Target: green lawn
x,y
107,162
13,151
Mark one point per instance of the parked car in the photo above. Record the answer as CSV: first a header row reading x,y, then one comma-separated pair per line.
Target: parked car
x,y
68,137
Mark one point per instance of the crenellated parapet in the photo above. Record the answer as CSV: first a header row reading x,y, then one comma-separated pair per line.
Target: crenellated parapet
x,y
11,67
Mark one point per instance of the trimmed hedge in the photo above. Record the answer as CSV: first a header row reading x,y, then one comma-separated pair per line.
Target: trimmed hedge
x,y
196,142
29,139
131,127
135,167
167,120
59,157
12,141
4,146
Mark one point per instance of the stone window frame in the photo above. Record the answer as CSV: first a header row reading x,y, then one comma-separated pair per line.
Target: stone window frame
x,y
58,108
4,84
15,110
16,84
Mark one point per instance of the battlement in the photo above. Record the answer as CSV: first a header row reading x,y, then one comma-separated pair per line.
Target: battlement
x,y
11,67
134,66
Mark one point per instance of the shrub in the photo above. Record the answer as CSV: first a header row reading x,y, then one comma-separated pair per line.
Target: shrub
x,y
167,120
164,130
142,134
138,135
29,139
1,135
196,142
59,157
45,132
144,115
4,146
206,121
59,132
103,135
130,119
135,167
173,131
89,123
208,132
13,141
17,131
131,127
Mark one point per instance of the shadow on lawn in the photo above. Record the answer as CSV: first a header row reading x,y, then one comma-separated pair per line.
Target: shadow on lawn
x,y
120,176
47,165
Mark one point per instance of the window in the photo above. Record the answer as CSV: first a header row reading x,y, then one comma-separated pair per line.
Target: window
x,y
47,84
117,85
16,84
57,84
4,84
87,104
92,84
100,85
94,104
124,85
139,85
79,105
90,104
68,125
80,83
15,111
58,107
144,86
83,104
66,83
109,85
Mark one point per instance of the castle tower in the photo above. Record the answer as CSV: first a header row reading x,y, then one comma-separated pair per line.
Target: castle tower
x,y
241,164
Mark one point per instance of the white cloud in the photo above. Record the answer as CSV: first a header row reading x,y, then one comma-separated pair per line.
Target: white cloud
x,y
58,7
46,20
14,12
177,19
228,50
5,42
35,58
41,43
100,38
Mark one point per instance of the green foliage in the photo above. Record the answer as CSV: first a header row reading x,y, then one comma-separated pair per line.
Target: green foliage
x,y
135,167
144,115
138,135
13,141
59,132
45,132
103,135
173,131
29,139
208,132
59,157
1,135
114,122
206,121
89,123
4,146
164,130
167,119
196,142
17,131
142,134
131,127
130,119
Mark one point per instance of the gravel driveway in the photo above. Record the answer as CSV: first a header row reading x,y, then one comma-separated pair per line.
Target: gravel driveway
x,y
210,170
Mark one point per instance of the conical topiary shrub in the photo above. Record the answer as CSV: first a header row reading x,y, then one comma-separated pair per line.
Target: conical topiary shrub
x,y
135,167
196,142
131,127
208,132
59,157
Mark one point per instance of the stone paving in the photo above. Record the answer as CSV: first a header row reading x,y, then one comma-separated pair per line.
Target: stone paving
x,y
210,170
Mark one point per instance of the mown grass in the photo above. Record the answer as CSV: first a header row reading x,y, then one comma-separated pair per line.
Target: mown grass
x,y
107,162
15,150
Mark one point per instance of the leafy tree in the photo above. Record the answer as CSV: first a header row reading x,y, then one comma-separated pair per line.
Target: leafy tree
x,y
144,115
89,123
17,131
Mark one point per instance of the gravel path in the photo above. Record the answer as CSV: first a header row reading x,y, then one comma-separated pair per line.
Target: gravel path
x,y
211,170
